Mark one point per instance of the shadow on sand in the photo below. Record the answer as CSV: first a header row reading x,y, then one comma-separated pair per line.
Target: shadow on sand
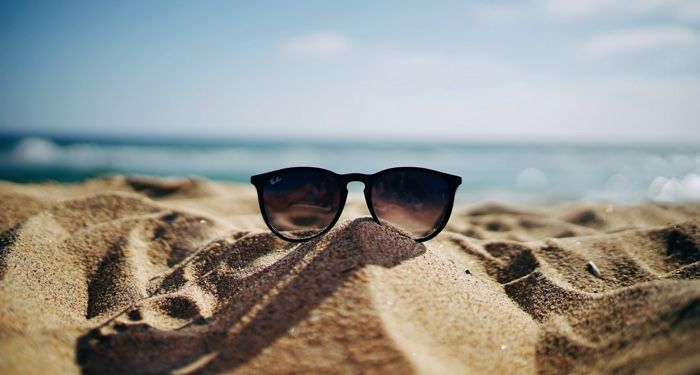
x,y
248,315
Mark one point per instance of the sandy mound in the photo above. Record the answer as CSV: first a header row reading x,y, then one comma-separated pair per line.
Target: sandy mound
x,y
137,275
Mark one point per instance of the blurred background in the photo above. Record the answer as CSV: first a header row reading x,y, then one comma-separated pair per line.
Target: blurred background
x,y
539,100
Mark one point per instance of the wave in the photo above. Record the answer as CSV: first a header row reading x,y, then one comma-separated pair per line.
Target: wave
x,y
515,172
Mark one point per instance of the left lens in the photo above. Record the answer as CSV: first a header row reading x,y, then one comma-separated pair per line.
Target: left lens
x,y
301,203
414,201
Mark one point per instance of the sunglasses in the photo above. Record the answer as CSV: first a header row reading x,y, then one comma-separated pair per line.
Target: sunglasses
x,y
301,203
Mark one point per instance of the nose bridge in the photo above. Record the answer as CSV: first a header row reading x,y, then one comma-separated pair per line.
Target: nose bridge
x,y
351,177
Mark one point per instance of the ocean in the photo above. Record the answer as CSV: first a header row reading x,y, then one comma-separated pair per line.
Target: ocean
x,y
490,171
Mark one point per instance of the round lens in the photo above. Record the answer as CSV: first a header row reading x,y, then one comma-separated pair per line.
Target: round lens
x,y
412,201
300,204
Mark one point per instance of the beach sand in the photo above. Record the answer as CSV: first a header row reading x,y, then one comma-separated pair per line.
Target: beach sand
x,y
138,275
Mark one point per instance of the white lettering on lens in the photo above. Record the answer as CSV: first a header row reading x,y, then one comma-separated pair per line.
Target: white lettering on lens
x,y
275,180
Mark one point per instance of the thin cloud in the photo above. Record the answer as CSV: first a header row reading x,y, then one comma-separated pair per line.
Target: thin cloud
x,y
641,40
682,9
317,45
502,12
576,7
689,11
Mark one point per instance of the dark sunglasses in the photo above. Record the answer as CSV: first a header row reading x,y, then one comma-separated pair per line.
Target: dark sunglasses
x,y
301,203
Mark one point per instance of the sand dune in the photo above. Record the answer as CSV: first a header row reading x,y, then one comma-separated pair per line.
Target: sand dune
x,y
136,275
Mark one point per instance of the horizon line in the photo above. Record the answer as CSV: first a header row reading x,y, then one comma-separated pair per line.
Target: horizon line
x,y
153,138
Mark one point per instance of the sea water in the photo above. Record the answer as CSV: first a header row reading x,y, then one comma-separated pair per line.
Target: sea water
x,y
490,171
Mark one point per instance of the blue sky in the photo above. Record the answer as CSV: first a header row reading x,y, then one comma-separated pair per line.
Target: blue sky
x,y
542,70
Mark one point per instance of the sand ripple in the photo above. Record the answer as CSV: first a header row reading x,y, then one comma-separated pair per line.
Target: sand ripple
x,y
136,275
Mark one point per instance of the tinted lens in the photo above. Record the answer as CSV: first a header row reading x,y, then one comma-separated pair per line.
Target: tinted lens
x,y
415,202
301,203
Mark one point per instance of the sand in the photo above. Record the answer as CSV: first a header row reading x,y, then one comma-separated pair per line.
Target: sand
x,y
137,275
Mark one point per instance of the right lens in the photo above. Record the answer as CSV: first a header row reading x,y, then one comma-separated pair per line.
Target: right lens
x,y
301,203
413,201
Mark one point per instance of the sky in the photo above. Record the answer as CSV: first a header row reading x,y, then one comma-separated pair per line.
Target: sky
x,y
536,70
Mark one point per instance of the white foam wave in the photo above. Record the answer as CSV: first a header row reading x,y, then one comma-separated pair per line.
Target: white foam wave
x,y
35,151
668,190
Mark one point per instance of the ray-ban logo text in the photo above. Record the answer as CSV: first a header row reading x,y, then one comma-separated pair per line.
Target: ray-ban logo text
x,y
275,180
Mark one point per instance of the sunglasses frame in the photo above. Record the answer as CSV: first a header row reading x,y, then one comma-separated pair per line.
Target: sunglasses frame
x,y
343,180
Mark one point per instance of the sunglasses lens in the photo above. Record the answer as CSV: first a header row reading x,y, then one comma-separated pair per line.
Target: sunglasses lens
x,y
300,203
415,202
